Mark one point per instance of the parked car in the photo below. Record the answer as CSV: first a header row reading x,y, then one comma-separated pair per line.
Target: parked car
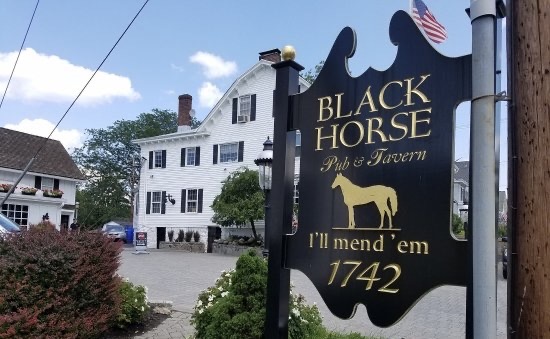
x,y
115,232
505,259
7,225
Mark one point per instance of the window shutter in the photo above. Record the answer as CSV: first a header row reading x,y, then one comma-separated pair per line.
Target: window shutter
x,y
163,203
241,151
148,207
253,107
183,197
151,159
55,184
215,154
235,107
163,158
197,156
199,208
182,164
38,182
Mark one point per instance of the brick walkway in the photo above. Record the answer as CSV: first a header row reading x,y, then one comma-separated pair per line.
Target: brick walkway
x,y
179,277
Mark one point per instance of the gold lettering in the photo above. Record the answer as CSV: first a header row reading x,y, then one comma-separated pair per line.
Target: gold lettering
x,y
402,246
369,102
371,129
339,107
353,244
328,162
411,90
381,95
340,243
322,108
363,247
333,136
415,121
376,155
400,126
378,245
361,133
419,247
421,155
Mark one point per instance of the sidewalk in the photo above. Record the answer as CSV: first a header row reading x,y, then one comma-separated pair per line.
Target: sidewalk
x,y
179,277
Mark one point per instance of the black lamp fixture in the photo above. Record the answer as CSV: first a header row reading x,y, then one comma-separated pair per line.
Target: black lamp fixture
x,y
264,162
170,198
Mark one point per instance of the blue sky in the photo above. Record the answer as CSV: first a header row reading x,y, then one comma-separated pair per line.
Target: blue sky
x,y
176,47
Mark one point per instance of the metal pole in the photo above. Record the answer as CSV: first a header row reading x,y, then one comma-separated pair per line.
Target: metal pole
x,y
280,218
483,13
267,207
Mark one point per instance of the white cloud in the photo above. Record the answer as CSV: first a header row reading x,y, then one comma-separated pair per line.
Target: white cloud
x,y
48,78
213,65
70,138
177,68
209,95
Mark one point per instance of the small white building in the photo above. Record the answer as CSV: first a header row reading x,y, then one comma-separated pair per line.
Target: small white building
x,y
53,169
184,170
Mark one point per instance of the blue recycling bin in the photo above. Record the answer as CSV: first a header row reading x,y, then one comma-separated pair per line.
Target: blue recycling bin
x,y
129,233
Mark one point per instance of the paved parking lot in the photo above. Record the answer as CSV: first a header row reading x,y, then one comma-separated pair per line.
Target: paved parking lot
x,y
179,277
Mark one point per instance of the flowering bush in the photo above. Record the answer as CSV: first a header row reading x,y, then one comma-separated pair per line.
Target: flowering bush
x,y
134,305
28,190
43,225
52,193
235,306
5,187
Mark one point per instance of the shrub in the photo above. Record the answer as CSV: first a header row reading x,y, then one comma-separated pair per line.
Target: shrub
x,y
458,225
196,236
235,306
181,235
44,225
134,306
188,236
171,235
54,285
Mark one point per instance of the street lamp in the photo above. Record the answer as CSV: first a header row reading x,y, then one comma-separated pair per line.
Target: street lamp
x,y
76,205
264,162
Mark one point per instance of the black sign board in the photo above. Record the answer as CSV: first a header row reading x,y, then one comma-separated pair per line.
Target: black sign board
x,y
376,177
141,239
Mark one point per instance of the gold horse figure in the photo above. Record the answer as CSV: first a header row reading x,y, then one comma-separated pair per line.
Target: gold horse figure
x,y
355,195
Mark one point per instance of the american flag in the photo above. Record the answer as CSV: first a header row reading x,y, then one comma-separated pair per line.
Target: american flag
x,y
426,20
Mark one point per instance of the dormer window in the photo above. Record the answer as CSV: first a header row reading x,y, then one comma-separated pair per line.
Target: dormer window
x,y
244,109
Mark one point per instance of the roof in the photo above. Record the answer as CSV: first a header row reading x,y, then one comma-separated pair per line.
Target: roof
x,y
18,148
463,172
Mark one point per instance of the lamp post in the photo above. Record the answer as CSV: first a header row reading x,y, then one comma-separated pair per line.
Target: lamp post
x,y
264,162
76,206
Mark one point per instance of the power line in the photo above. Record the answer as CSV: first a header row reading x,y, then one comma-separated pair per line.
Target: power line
x,y
71,105
18,54
97,70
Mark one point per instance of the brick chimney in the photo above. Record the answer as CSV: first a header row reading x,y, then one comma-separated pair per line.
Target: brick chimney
x,y
273,55
184,112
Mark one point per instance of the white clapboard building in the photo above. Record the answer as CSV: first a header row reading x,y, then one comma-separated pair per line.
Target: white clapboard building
x,y
183,171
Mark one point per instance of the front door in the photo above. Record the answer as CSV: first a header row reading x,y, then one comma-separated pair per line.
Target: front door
x,y
64,227
161,235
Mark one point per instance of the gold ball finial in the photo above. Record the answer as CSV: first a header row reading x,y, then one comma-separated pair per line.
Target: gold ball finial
x,y
289,53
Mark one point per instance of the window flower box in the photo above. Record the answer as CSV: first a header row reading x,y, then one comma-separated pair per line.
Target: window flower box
x,y
52,193
28,190
5,187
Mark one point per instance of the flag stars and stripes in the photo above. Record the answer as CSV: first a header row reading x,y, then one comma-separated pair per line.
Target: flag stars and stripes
x,y
426,20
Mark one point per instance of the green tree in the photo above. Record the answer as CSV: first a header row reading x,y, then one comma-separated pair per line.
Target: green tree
x,y
312,74
240,201
112,163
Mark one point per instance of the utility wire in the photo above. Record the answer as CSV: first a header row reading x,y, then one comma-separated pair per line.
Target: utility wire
x,y
71,105
20,49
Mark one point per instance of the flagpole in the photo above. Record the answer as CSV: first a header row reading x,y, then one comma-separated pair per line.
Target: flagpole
x,y
411,7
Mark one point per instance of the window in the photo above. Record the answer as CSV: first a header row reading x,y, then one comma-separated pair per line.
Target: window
x,y
155,202
157,159
17,213
190,156
47,184
244,108
192,200
229,152
298,143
